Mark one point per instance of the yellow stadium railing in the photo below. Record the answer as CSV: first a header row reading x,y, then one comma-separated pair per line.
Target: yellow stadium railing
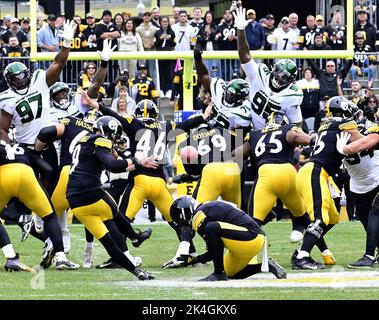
x,y
188,55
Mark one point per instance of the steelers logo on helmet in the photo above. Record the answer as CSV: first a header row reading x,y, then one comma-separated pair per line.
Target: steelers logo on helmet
x,y
236,91
283,74
340,107
146,109
60,95
17,76
110,127
182,210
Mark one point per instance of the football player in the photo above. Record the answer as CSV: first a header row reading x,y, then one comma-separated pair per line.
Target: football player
x,y
365,144
94,207
314,180
223,225
150,136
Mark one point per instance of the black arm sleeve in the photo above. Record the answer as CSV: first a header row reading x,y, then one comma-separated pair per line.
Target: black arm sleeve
x,y
190,123
343,72
48,134
110,163
314,67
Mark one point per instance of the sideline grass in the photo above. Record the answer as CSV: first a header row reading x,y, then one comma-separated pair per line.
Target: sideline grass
x,y
346,241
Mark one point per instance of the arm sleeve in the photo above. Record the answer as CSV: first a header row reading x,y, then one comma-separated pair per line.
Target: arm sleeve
x,y
251,70
294,114
190,123
110,163
314,67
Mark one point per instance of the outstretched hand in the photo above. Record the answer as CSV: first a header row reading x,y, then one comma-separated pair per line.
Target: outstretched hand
x,y
67,34
105,54
240,18
342,140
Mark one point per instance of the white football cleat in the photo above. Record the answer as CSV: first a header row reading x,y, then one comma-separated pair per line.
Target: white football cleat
x,y
137,261
296,236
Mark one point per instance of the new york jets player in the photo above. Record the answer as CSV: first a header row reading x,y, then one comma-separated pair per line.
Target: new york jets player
x,y
27,104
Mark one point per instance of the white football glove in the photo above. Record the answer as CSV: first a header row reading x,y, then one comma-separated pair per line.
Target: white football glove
x,y
105,54
67,34
240,18
181,261
342,140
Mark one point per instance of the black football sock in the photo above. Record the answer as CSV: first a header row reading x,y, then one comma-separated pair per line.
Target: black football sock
x,y
89,236
4,237
248,271
53,231
301,223
116,235
124,226
372,237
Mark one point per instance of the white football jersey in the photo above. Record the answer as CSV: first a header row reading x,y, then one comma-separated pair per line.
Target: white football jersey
x,y
264,100
282,40
185,36
58,113
363,169
30,111
239,116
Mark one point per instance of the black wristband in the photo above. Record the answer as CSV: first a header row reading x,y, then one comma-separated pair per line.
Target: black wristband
x,y
136,162
104,64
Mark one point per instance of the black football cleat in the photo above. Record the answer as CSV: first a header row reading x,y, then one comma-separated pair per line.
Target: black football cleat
x,y
306,263
141,237
142,274
26,223
109,264
47,256
277,270
216,277
364,262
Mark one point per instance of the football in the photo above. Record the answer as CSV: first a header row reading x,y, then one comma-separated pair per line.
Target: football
x,y
189,154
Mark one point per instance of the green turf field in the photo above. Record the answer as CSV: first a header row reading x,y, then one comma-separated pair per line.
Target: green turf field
x,y
346,241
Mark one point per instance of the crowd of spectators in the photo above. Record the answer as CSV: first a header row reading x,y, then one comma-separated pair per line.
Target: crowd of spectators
x,y
185,30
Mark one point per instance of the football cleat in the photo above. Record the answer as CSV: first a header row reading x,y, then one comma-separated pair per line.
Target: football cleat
x,y
47,255
216,277
26,222
141,237
306,263
109,264
296,236
87,258
137,261
142,274
364,262
277,270
329,259
65,264
14,264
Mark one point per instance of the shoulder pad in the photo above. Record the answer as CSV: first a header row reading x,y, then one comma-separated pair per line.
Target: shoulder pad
x,y
348,125
101,141
296,129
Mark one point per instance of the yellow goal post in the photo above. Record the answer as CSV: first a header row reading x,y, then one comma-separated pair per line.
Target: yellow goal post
x,y
187,56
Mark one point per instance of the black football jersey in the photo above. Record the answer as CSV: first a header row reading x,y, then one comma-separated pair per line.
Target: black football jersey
x,y
92,154
212,144
75,129
224,212
270,144
307,36
325,151
18,153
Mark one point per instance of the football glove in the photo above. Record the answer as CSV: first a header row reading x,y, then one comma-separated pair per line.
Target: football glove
x,y
342,140
181,261
185,177
197,55
240,18
105,54
67,34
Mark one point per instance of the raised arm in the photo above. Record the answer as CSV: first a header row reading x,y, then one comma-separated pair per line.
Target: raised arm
x,y
242,45
202,71
55,69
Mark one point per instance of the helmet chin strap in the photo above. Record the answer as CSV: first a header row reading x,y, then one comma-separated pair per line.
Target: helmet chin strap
x,y
22,91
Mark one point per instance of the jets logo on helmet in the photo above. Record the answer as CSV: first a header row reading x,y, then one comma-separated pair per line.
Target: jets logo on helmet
x,y
146,109
60,95
283,74
236,91
17,76
110,127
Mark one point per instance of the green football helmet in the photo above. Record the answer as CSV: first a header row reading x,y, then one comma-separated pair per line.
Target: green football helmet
x,y
17,76
236,91
62,100
283,74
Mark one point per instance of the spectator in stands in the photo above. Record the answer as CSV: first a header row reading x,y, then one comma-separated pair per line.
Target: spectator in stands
x,y
90,33
14,50
294,19
156,16
61,18
311,91
185,34
128,106
226,38
359,95
143,87
118,21
78,20
308,33
319,22
15,30
371,110
336,32
254,32
48,40
86,78
25,27
126,15
122,80
363,24
268,29
197,21
129,41
328,77
364,60
206,42
320,44
147,32
165,41
175,14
